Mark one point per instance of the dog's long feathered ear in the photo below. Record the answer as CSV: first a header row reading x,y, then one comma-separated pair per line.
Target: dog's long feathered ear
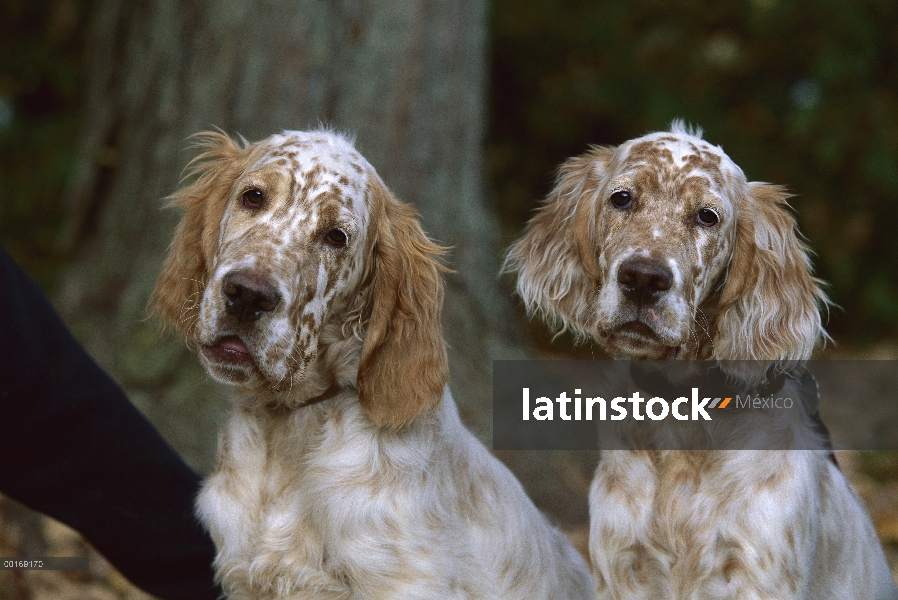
x,y
180,285
403,367
770,304
556,259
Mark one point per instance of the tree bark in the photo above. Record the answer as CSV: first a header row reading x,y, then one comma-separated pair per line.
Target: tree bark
x,y
406,77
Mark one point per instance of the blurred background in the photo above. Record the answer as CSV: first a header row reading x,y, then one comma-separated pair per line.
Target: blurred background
x,y
465,108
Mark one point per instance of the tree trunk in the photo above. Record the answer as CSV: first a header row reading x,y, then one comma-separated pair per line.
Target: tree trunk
x,y
407,77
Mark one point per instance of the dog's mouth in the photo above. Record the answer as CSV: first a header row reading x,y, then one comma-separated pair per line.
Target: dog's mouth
x,y
637,330
230,359
639,340
228,351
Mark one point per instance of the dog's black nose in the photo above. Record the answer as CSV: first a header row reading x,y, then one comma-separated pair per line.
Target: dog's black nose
x,y
644,281
248,295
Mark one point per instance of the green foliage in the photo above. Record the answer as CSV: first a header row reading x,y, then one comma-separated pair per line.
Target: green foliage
x,y
797,92
41,89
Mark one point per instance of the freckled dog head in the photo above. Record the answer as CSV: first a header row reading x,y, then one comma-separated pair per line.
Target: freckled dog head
x,y
289,272
661,248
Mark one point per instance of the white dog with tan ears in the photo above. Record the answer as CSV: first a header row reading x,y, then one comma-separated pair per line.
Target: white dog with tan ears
x,y
660,249
344,471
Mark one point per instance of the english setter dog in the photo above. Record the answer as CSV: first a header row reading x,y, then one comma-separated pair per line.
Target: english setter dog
x,y
660,249
343,470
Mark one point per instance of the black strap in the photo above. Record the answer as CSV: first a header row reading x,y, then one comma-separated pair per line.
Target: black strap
x,y
652,377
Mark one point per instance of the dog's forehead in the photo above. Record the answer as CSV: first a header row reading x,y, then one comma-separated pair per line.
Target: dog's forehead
x,y
681,155
319,159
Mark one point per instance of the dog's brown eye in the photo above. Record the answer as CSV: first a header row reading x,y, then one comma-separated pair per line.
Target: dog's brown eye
x,y
621,199
335,238
253,198
707,217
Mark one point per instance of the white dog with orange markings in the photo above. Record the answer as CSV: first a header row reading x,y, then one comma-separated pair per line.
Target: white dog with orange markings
x,y
344,471
659,249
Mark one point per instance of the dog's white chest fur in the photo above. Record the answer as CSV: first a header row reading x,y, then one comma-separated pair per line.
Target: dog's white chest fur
x,y
330,511
696,525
